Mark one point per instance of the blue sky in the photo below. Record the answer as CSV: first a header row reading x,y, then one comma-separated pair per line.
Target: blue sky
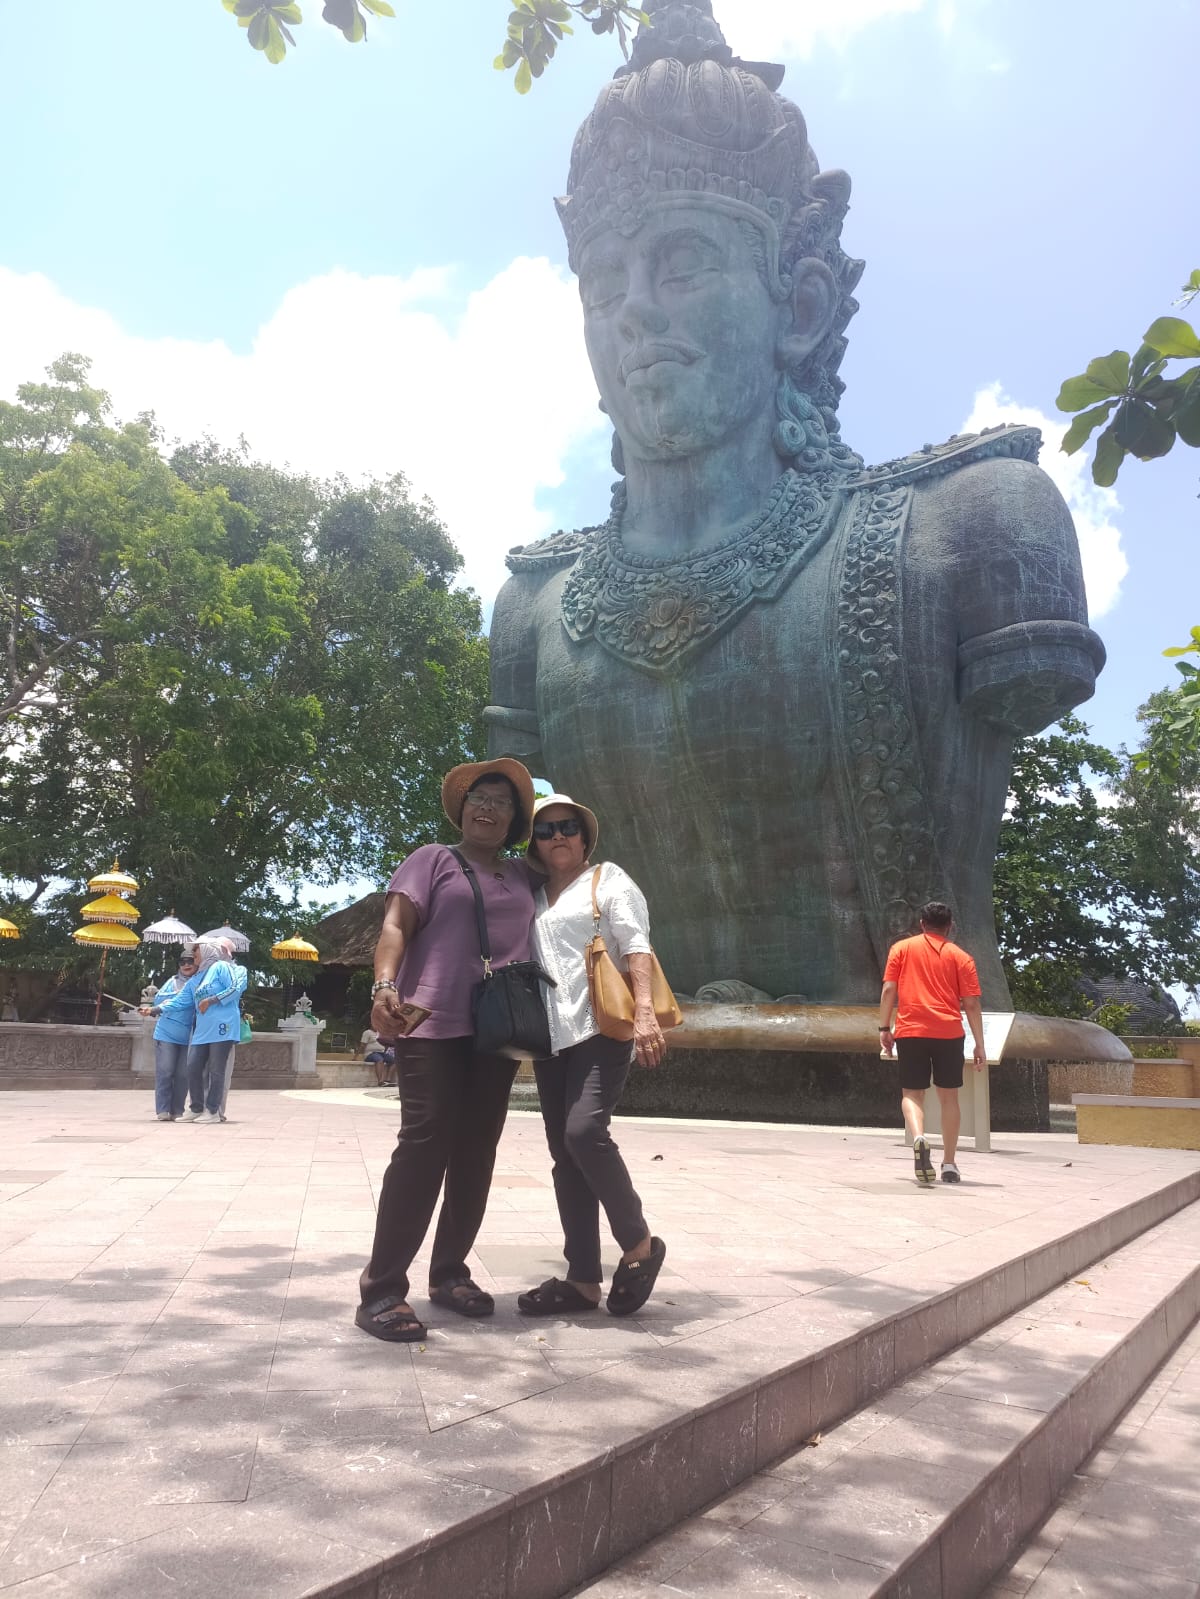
x,y
353,259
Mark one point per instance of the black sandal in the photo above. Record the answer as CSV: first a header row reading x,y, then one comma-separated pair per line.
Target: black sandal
x,y
633,1281
554,1298
390,1319
474,1302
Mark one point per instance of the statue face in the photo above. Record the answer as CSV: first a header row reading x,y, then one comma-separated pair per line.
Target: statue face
x,y
681,332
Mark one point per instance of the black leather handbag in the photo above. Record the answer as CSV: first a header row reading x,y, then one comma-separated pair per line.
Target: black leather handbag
x,y
507,1008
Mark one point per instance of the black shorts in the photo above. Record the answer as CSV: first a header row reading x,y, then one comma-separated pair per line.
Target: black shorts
x,y
918,1058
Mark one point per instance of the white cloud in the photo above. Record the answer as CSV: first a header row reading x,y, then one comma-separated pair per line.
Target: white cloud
x,y
1094,509
771,28
478,404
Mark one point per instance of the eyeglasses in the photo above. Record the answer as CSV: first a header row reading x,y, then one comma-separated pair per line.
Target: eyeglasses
x,y
569,827
481,798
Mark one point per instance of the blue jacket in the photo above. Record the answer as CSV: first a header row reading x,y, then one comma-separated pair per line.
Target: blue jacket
x,y
221,1023
178,1005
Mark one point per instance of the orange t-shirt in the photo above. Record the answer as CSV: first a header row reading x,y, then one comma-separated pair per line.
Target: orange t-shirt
x,y
933,976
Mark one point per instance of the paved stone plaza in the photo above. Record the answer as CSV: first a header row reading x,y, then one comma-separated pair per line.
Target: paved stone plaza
x,y
188,1409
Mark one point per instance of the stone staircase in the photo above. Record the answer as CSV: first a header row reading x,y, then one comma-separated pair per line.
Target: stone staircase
x,y
899,1436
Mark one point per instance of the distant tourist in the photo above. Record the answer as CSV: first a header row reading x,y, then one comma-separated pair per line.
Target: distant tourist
x,y
241,978
454,1098
928,983
171,1036
375,1053
215,994
579,1088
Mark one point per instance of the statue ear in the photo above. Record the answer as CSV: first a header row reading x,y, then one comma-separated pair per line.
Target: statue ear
x,y
814,300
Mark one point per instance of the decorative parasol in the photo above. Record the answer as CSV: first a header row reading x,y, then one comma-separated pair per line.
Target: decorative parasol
x,y
9,929
104,916
295,949
112,908
114,881
170,930
106,936
239,940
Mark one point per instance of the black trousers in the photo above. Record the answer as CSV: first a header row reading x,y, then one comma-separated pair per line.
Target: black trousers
x,y
578,1091
453,1102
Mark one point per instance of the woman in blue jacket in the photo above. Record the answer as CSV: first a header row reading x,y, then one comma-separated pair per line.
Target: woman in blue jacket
x,y
215,993
171,1036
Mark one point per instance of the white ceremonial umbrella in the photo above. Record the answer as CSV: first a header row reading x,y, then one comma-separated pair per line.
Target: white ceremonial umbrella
x,y
169,931
239,940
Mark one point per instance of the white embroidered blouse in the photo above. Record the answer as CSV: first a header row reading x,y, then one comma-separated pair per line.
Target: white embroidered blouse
x,y
560,932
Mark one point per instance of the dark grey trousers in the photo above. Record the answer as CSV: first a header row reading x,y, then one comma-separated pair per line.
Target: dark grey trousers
x,y
579,1090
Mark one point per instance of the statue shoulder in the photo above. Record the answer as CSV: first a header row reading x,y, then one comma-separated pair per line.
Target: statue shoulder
x,y
550,554
998,445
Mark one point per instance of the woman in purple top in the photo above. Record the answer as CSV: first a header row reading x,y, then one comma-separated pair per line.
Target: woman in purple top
x,y
453,1097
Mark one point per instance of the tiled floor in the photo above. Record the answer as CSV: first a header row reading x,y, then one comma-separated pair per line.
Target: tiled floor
x,y
184,1393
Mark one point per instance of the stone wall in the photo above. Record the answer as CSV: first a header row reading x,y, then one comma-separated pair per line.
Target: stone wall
x,y
824,1090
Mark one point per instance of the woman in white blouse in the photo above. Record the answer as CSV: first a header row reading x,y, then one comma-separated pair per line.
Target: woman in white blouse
x,y
580,1085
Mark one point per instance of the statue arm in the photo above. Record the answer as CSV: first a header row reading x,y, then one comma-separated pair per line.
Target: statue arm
x,y
512,716
1026,654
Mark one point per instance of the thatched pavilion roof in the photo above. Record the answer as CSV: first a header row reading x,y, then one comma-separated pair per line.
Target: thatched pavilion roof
x,y
348,938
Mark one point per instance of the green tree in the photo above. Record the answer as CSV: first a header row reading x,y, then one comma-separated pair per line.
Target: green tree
x,y
235,678
1096,870
535,27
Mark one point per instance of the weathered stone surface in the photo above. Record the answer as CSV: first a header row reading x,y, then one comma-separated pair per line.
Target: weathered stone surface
x,y
1154,1010
788,683
831,1090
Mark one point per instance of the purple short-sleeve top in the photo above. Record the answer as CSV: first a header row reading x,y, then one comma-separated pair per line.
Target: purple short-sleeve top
x,y
442,965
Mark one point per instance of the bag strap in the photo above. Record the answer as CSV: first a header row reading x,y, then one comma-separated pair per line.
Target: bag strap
x,y
596,902
480,918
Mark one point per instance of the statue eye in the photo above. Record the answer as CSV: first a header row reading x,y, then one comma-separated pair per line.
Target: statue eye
x,y
602,290
684,262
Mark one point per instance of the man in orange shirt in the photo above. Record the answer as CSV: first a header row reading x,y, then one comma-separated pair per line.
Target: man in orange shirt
x,y
929,982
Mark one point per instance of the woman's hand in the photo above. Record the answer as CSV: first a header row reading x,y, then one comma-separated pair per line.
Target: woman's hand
x,y
203,1004
649,1045
387,1019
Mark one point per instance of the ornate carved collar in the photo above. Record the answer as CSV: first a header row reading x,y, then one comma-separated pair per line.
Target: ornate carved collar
x,y
657,613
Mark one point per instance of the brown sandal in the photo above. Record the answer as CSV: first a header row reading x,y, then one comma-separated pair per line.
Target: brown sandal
x,y
472,1301
390,1319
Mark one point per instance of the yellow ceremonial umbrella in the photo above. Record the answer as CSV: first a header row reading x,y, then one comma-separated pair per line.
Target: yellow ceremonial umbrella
x,y
104,917
106,936
9,929
111,908
295,949
114,881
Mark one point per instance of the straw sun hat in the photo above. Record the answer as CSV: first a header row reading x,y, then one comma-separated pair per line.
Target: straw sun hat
x,y
590,825
460,778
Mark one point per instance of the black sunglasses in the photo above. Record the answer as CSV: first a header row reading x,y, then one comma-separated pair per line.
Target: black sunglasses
x,y
569,827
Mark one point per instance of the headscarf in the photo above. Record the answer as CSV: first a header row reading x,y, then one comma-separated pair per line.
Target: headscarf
x,y
211,950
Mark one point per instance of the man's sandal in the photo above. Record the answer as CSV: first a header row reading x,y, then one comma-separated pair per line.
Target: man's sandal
x,y
633,1281
390,1319
463,1296
554,1298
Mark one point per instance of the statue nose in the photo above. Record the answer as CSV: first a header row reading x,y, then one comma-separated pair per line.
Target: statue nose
x,y
640,315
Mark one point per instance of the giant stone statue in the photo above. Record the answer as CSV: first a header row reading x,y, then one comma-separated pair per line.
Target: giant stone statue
x,y
788,683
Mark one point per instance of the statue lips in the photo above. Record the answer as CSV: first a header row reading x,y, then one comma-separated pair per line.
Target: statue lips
x,y
644,356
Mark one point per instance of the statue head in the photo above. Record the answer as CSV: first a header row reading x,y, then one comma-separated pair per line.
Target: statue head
x,y
685,131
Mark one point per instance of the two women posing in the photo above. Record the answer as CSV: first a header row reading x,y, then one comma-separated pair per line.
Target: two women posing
x,y
454,1098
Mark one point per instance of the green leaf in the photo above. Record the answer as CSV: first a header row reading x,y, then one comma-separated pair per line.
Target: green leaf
x,y
1146,362
249,8
1084,425
1079,392
1110,371
1107,461
288,13
1171,335
1186,417
276,47
229,4
260,31
379,8
524,79
1142,430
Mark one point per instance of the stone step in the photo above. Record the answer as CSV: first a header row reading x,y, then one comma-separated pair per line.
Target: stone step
x,y
585,1475
1143,1121
1126,1524
928,1492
